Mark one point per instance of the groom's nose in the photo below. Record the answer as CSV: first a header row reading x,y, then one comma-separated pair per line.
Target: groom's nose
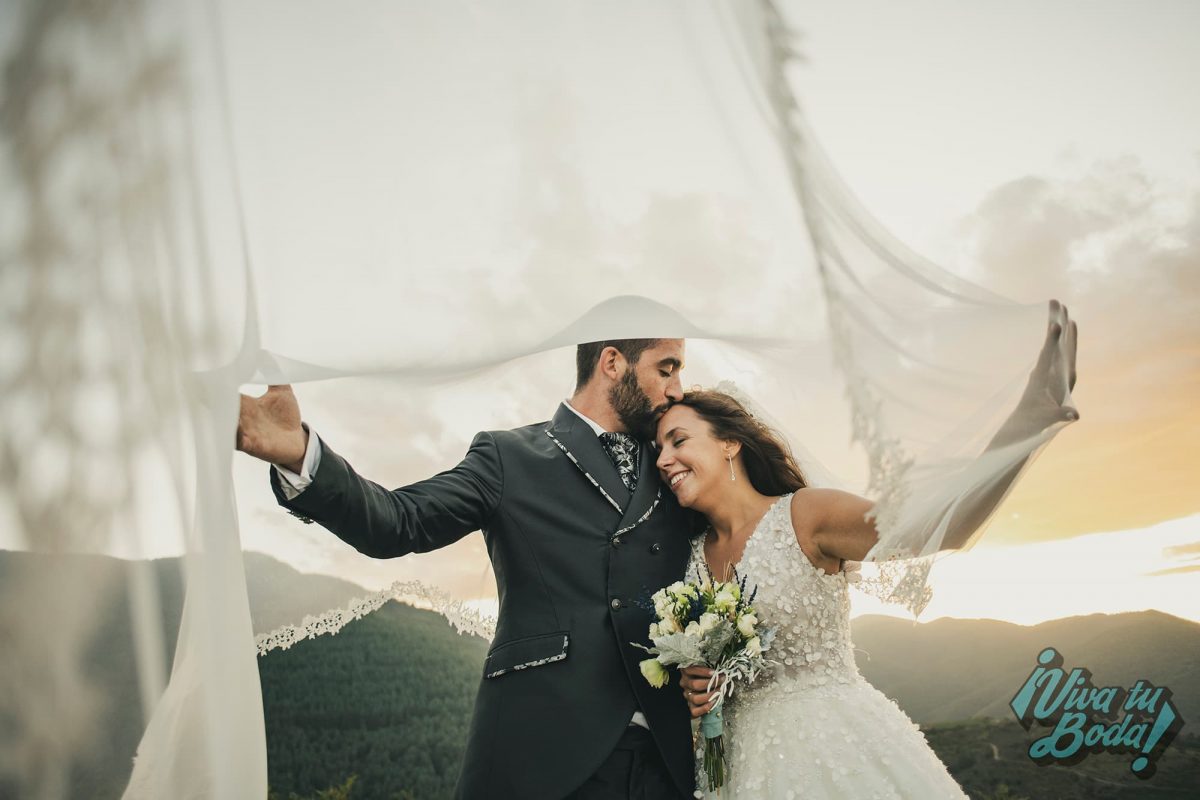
x,y
675,388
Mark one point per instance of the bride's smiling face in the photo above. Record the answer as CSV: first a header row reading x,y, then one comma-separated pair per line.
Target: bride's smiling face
x,y
690,460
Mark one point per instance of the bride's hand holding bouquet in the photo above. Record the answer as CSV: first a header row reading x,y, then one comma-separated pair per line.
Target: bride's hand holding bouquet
x,y
711,626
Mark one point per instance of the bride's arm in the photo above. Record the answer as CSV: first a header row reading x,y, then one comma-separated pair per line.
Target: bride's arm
x,y
834,523
831,524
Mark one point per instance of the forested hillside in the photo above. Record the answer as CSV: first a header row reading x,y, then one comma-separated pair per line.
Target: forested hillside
x,y
388,700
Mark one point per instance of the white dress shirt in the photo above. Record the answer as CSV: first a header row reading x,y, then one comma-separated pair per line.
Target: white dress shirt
x,y
293,484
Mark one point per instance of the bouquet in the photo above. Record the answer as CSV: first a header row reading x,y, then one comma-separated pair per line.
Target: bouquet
x,y
712,624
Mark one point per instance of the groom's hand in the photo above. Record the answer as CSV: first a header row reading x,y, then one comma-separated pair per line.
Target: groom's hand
x,y
694,682
269,428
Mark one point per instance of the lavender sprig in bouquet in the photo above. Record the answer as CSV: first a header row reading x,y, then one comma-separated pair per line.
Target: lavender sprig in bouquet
x,y
712,624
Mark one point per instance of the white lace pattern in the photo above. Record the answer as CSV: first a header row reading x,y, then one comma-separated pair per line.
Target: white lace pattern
x,y
462,617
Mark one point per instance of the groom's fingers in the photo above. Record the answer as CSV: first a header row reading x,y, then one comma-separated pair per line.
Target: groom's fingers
x,y
245,414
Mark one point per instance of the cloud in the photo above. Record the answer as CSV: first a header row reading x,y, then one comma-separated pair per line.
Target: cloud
x,y
695,250
1175,570
1182,550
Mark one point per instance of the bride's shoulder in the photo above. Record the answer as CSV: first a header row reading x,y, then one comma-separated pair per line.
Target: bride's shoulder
x,y
804,508
810,509
813,502
807,505
834,523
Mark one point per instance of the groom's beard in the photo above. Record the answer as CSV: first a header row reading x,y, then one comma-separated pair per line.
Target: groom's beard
x,y
633,407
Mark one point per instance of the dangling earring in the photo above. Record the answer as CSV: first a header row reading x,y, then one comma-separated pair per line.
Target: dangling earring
x,y
732,476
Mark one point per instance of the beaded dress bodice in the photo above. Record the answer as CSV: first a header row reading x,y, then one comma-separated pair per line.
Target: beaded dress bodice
x,y
809,608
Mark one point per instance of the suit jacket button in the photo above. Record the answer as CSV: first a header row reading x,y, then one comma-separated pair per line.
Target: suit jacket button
x,y
616,603
654,548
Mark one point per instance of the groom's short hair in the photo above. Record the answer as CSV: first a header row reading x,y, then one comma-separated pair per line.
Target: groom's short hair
x,y
587,355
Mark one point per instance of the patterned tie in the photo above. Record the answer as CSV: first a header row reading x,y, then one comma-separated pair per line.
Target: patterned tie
x,y
624,451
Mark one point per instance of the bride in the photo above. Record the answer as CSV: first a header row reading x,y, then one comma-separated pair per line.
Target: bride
x,y
813,727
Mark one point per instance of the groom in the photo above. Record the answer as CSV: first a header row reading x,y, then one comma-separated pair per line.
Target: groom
x,y
578,528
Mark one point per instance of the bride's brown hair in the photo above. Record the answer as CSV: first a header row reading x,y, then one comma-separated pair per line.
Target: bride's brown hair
x,y
769,463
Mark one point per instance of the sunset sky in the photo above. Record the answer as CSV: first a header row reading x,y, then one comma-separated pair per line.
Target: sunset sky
x,y
1042,150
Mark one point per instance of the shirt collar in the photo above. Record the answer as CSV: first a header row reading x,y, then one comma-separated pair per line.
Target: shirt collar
x,y
591,423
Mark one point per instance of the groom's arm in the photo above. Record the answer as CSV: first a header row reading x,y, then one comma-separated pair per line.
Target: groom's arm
x,y
385,523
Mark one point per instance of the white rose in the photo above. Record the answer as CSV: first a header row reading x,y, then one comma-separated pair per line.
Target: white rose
x,y
708,621
724,600
677,588
668,625
693,629
746,623
754,647
661,600
655,631
653,672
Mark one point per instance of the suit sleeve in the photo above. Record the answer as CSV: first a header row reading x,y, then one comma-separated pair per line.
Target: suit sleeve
x,y
417,518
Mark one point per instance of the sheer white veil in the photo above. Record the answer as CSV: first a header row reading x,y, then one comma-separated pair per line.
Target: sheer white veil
x,y
403,210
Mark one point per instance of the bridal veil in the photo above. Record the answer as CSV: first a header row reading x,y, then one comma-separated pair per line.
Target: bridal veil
x,y
436,200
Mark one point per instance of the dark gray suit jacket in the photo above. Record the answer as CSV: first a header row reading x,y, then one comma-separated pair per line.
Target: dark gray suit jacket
x,y
572,553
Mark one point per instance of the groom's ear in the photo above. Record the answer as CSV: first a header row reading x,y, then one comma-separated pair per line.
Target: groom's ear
x,y
612,363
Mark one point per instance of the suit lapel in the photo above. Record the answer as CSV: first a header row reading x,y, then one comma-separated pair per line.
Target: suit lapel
x,y
581,445
647,495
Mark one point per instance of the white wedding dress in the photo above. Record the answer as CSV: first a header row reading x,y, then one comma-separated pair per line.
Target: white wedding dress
x,y
813,727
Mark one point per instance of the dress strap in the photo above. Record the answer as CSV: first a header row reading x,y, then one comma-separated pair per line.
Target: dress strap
x,y
787,529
